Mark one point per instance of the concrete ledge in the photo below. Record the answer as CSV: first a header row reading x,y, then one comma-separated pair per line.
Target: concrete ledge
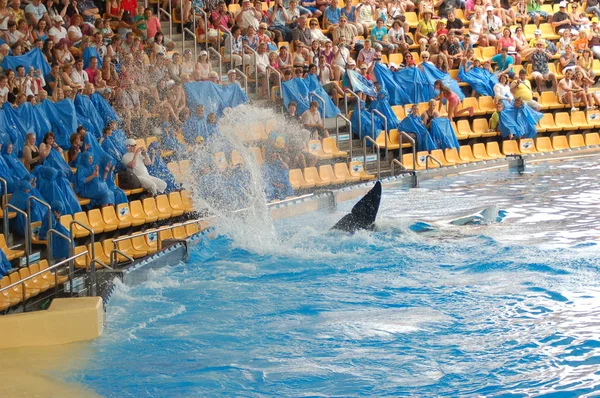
x,y
66,321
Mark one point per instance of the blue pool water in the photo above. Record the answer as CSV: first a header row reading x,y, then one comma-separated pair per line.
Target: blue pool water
x,y
508,309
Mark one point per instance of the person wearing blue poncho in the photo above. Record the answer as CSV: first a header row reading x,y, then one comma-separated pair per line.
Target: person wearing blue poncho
x,y
443,134
413,124
518,120
55,187
60,246
158,167
276,175
89,184
107,113
90,144
107,164
53,156
195,126
19,200
382,104
112,147
5,265
170,142
7,173
11,159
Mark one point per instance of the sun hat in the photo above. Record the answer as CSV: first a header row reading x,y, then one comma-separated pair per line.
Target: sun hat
x,y
562,4
130,142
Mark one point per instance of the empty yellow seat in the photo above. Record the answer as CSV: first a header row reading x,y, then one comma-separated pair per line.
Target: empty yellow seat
x,y
466,153
174,169
526,145
593,117
236,159
30,289
439,155
486,104
152,210
110,218
188,203
125,216
191,229
472,101
357,170
563,120
399,109
326,173
163,206
179,232
479,152
543,144
510,147
137,211
576,140
97,221
126,247
184,167
60,279
579,120
98,253
559,142
176,203
10,253
81,262
330,147
312,177
83,219
109,246
493,150
140,143
297,180
140,244
341,171
165,234
411,163
315,148
464,129
592,139
451,155
9,296
78,231
550,101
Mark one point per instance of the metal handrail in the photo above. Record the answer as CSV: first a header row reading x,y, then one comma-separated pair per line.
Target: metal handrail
x,y
317,96
212,50
26,232
113,256
376,145
353,94
414,148
195,41
385,128
46,205
337,131
5,196
168,14
255,54
157,230
182,18
228,36
396,161
279,79
93,240
205,26
245,79
22,281
429,156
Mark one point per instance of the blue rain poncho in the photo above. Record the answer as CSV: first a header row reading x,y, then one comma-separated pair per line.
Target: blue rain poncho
x,y
18,168
120,196
193,128
63,118
106,112
385,78
96,189
60,246
432,74
300,90
5,265
365,119
481,80
15,128
443,134
520,122
359,83
215,98
35,58
7,173
110,147
55,187
170,142
19,200
416,85
93,147
159,168
381,103
88,53
414,124
88,116
277,180
33,119
56,161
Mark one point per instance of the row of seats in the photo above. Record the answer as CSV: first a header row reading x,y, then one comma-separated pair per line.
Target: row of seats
x,y
325,175
491,150
137,247
30,288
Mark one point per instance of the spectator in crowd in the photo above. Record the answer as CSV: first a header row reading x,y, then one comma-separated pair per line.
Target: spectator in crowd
x,y
430,113
539,58
569,92
136,160
311,119
31,153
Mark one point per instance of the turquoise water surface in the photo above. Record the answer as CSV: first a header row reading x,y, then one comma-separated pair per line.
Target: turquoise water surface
x,y
507,309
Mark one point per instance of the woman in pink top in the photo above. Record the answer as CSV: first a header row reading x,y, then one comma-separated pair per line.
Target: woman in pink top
x,y
452,100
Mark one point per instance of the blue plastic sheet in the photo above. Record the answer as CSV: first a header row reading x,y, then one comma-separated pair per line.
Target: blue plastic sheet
x,y
88,116
19,199
120,196
5,265
479,79
277,180
56,161
15,128
55,187
159,168
88,53
16,166
214,97
7,174
107,113
33,119
299,90
63,118
416,85
382,104
432,73
520,122
414,124
385,77
365,122
443,134
360,84
33,58
60,246
95,189
193,128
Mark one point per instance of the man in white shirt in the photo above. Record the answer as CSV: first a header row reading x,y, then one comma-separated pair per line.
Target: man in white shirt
x,y
57,31
136,160
248,16
36,11
79,76
311,119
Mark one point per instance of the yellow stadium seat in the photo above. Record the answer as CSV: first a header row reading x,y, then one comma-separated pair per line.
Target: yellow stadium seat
x,y
549,100
237,159
341,171
81,262
464,129
357,170
547,8
30,289
576,140
184,167
526,145
454,75
137,211
477,54
18,290
297,180
10,253
97,221
592,139
330,147
327,175
547,123
83,219
311,175
126,247
593,117
110,218
452,156
191,229
596,67
394,140
188,203
139,243
486,104
99,253
493,150
479,152
165,234
422,159
559,75
179,232
411,19
50,275
398,109
488,52
9,296
283,43
125,216
315,148
439,155
78,232
140,143
163,206
108,246
176,203
465,153
407,161
381,136
233,8
150,140
543,144
472,101
510,147
563,120
548,32
151,209
36,282
579,120
559,142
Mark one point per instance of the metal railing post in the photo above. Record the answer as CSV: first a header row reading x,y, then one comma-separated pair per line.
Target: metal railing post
x,y
26,232
255,54
212,50
92,267
352,93
169,15
376,145
182,18
279,80
228,36
245,79
313,95
429,156
385,128
414,147
337,131
205,26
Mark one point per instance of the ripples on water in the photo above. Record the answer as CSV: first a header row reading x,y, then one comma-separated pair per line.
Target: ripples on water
x,y
508,309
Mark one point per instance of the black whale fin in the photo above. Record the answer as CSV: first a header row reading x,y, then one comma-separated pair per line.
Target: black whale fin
x,y
363,213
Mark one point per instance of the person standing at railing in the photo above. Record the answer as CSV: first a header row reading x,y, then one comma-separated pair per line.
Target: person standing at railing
x,y
60,246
